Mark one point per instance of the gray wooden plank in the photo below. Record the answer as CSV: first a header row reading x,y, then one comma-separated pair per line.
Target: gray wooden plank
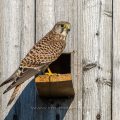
x,y
105,70
97,30
67,11
80,37
47,13
28,96
1,53
44,23
11,45
90,55
116,63
44,17
18,37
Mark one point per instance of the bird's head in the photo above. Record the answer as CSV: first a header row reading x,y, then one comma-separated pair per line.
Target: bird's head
x,y
62,27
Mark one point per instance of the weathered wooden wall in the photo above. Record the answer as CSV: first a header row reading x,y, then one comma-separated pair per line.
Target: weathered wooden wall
x,y
94,43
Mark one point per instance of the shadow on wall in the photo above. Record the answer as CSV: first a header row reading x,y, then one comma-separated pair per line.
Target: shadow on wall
x,y
30,106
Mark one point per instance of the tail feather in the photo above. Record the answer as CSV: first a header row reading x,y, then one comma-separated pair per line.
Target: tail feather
x,y
10,79
20,79
7,81
14,94
19,76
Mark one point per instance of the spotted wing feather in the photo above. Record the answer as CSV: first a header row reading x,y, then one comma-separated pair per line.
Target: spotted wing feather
x,y
45,51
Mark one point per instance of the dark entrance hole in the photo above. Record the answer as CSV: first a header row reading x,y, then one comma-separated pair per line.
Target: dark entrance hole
x,y
62,65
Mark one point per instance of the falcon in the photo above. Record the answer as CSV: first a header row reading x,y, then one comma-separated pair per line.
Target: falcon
x,y
38,59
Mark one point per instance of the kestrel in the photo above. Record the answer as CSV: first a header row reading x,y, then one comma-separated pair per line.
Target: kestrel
x,y
43,53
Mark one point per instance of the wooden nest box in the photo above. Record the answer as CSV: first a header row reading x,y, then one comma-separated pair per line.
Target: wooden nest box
x,y
58,85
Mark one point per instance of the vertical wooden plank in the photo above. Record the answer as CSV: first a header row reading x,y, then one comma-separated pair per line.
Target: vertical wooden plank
x,y
28,26
1,51
17,36
28,97
90,54
45,18
68,11
44,23
116,61
59,11
11,45
104,65
97,26
80,38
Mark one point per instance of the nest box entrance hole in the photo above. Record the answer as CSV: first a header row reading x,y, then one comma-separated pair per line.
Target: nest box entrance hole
x,y
62,65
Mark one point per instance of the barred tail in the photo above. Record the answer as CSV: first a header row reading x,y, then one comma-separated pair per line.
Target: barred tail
x,y
20,76
14,94
10,79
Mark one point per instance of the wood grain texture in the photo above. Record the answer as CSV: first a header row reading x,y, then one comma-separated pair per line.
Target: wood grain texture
x,y
27,41
90,56
116,61
96,43
11,45
47,13
44,22
79,56
105,60
68,11
1,52
17,38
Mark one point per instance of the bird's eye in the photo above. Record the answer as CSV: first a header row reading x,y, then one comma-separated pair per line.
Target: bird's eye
x,y
62,25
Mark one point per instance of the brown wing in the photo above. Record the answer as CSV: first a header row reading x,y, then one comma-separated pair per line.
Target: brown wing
x,y
43,52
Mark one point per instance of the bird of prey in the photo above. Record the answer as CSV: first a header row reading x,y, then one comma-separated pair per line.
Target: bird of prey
x,y
43,53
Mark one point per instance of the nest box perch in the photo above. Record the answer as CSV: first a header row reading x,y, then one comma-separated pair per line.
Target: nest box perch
x,y
55,86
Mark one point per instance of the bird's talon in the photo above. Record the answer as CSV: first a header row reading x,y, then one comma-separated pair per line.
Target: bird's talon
x,y
49,73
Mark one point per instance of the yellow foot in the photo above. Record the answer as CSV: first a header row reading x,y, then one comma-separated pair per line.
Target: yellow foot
x,y
50,73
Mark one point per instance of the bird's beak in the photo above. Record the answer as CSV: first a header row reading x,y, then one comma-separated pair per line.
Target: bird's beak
x,y
67,27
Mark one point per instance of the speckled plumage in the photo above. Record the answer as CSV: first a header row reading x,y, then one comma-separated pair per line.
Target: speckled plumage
x,y
47,50
43,53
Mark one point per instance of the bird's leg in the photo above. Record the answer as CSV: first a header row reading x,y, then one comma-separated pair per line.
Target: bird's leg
x,y
49,72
